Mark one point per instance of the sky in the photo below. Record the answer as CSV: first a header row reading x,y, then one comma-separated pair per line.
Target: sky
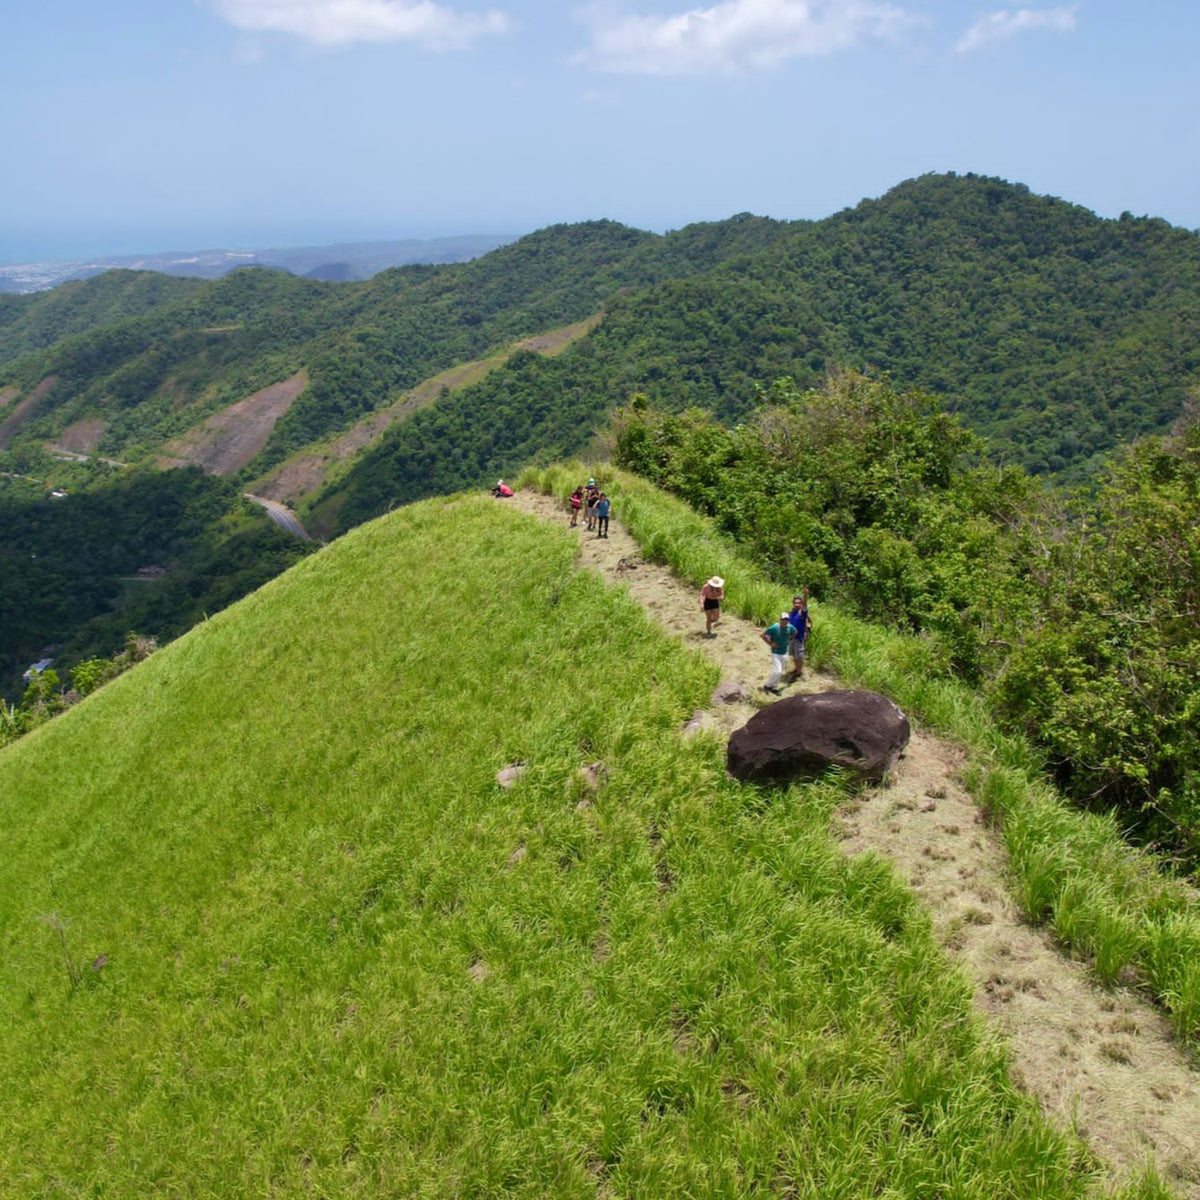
x,y
134,126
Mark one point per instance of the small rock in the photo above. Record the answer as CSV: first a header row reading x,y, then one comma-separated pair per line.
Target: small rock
x,y
731,691
700,723
509,775
592,775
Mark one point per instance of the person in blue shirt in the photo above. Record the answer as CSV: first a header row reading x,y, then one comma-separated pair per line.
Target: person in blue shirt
x,y
603,504
777,637
801,623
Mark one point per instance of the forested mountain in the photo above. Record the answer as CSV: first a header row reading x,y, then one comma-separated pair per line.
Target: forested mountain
x,y
33,322
151,378
1056,334
69,568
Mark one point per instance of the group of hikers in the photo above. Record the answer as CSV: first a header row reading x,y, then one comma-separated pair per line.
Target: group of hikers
x,y
595,505
787,639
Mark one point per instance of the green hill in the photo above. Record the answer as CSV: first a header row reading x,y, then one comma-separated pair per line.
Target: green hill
x,y
151,378
270,926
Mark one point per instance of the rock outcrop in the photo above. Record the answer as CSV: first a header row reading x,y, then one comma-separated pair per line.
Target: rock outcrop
x,y
801,736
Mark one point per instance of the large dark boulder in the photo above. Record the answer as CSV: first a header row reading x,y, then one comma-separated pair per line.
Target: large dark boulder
x,y
800,736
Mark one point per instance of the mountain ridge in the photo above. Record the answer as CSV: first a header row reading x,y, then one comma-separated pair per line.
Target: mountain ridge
x,y
1059,335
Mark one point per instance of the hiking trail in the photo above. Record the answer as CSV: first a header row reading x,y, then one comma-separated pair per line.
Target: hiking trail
x,y
1102,1061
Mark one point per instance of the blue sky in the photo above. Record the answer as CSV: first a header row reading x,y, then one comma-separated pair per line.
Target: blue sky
x,y
142,125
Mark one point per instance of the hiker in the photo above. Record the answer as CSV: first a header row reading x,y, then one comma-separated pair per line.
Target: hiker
x,y
801,623
711,595
777,637
591,497
502,491
576,503
603,504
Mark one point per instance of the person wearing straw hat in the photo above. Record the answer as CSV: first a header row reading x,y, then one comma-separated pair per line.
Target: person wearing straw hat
x,y
711,595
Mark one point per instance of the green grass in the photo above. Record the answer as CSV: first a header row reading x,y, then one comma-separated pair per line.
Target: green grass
x,y
341,961
1111,904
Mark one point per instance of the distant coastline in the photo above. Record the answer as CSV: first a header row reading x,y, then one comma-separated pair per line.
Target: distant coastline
x,y
340,261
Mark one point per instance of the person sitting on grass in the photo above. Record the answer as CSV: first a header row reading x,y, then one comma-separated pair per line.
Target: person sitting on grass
x,y
777,637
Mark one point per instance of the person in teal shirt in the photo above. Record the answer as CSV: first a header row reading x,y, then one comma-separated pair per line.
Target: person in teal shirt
x,y
777,637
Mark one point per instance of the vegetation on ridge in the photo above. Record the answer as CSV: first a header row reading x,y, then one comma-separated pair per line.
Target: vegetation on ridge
x,y
1113,905
1080,622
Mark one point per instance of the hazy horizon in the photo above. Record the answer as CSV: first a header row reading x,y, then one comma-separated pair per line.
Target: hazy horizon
x,y
81,248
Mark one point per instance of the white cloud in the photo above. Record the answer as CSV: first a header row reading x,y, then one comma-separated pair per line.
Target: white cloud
x,y
736,35
997,26
341,22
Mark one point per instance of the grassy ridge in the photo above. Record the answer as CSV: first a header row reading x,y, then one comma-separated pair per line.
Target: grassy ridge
x,y
1072,870
341,961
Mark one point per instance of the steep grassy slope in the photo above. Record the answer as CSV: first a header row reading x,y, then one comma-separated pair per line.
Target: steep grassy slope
x,y
270,927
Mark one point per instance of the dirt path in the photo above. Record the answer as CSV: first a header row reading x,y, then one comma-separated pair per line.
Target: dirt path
x,y
1104,1062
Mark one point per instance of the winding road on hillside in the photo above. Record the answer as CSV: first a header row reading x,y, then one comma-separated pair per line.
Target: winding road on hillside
x,y
281,515
1103,1062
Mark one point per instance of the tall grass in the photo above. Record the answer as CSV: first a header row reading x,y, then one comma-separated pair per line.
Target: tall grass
x,y
315,949
1110,903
